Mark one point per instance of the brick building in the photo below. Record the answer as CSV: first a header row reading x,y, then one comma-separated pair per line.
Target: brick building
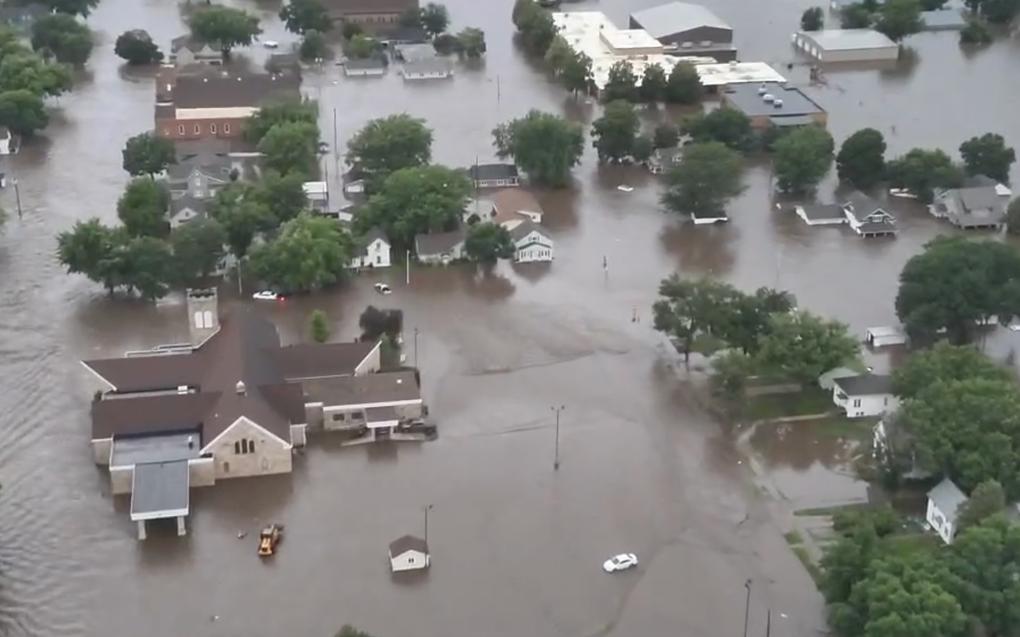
x,y
216,105
375,15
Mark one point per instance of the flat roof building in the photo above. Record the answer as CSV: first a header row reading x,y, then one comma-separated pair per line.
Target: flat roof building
x,y
771,104
847,45
714,76
687,28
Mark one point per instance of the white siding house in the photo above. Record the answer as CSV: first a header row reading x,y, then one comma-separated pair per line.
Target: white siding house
x,y
864,395
409,553
374,251
531,243
434,69
943,506
884,336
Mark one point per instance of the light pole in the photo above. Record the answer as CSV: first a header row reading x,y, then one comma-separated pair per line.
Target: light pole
x,y
556,458
407,280
747,604
416,348
426,509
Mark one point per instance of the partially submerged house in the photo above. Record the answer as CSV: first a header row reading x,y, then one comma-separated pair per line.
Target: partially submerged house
x,y
375,404
519,212
944,502
885,336
408,553
367,67
821,214
430,69
440,247
496,175
201,179
867,217
187,50
847,45
374,250
532,243
663,158
970,208
864,395
774,105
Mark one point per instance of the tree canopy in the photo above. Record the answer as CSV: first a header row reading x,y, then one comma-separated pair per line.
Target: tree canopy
x,y
23,112
621,83
71,7
708,177
653,84
137,48
923,171
63,37
302,16
898,19
198,248
945,363
435,18
488,242
802,346
802,159
535,27
386,145
148,154
614,133
861,159
291,147
988,155
728,126
142,208
812,19
543,145
286,112
227,27
683,85
309,253
318,326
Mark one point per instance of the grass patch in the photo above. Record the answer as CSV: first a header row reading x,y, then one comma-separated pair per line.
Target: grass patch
x,y
908,542
828,511
793,538
837,427
812,400
809,565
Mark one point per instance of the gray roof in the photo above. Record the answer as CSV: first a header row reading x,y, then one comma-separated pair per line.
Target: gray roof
x,y
861,205
865,384
979,180
943,20
160,487
485,172
427,67
170,447
848,39
408,543
676,17
981,198
438,242
365,64
947,497
414,52
822,211
522,230
192,44
182,203
218,90
214,167
785,100
369,237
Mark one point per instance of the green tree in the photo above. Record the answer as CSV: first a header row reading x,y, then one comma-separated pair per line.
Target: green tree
x,y
558,55
987,499
844,564
898,19
387,144
861,159
488,242
968,430
435,18
945,363
313,46
956,283
268,116
471,42
812,19
543,145
666,135
410,18
988,155
748,317
291,147
416,200
148,154
142,208
24,70
984,561
1013,217
61,35
802,346
701,185
621,83
148,266
613,134
309,253
229,28
282,196
446,44
576,74
23,112
137,48
689,308
535,27
350,631
976,32
85,248
728,126
999,11
653,84
802,159
71,7
242,218
302,16
923,171
642,149
684,85
351,29
199,247
318,326
856,16
360,47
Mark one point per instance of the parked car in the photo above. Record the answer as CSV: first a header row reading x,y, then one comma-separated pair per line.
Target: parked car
x,y
270,44
382,288
621,562
266,295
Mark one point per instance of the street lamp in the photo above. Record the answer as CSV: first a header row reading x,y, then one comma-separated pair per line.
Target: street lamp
x,y
747,604
426,509
556,458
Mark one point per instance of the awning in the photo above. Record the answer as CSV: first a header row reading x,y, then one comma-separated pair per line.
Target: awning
x,y
160,490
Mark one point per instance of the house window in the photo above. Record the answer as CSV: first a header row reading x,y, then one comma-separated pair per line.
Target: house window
x,y
198,129
237,448
378,259
180,129
244,446
251,446
339,417
212,128
226,128
226,467
857,402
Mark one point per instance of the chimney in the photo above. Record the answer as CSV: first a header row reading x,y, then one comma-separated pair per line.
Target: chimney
x,y
203,314
239,387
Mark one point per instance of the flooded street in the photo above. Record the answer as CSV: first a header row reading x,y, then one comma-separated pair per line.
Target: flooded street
x,y
517,547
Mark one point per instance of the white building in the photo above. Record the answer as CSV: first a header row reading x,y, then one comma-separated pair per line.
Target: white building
x,y
943,506
847,45
532,243
374,251
7,146
409,553
864,395
435,69
370,67
885,336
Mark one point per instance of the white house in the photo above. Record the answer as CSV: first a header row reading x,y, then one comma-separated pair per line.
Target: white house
x,y
494,175
864,395
409,553
821,214
7,146
434,69
532,243
867,217
374,251
317,194
828,379
440,247
884,336
708,219
185,208
371,67
943,506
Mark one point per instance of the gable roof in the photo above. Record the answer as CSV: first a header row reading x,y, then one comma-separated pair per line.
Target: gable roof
x,y
510,202
215,168
240,371
427,66
185,202
979,198
192,44
408,543
865,384
522,230
861,206
438,242
487,172
345,7
947,497
676,17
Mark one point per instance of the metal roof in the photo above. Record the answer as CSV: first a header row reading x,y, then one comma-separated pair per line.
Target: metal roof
x,y
160,490
677,17
848,39
771,99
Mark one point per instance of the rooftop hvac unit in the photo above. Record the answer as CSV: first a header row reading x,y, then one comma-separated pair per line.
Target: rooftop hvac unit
x,y
778,103
768,97
762,89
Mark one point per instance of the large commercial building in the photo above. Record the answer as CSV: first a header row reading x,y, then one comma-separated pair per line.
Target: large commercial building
x,y
847,45
774,105
687,29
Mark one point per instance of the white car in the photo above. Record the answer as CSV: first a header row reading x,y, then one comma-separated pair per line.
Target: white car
x,y
382,288
270,44
621,562
266,295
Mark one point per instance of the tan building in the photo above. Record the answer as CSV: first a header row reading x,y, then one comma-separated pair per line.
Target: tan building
x,y
230,404
372,14
215,104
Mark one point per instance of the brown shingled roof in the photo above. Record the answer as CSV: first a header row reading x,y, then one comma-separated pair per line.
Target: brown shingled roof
x,y
218,90
338,8
240,371
510,201
408,543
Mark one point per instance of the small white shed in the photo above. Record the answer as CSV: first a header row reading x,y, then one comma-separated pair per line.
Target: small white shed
x,y
885,336
409,553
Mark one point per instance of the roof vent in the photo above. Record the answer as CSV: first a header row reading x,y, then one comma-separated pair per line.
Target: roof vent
x,y
768,98
182,389
191,442
762,88
400,380
778,103
239,387
205,79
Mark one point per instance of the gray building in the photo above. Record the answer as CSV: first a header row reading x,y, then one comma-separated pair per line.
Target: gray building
x,y
771,104
687,29
847,45
979,207
943,20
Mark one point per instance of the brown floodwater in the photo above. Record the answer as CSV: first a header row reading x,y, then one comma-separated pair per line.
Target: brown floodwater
x,y
517,547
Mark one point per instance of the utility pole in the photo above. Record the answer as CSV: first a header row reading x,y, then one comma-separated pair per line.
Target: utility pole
x,y
408,276
17,197
426,509
747,604
416,348
556,458
768,624
336,141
